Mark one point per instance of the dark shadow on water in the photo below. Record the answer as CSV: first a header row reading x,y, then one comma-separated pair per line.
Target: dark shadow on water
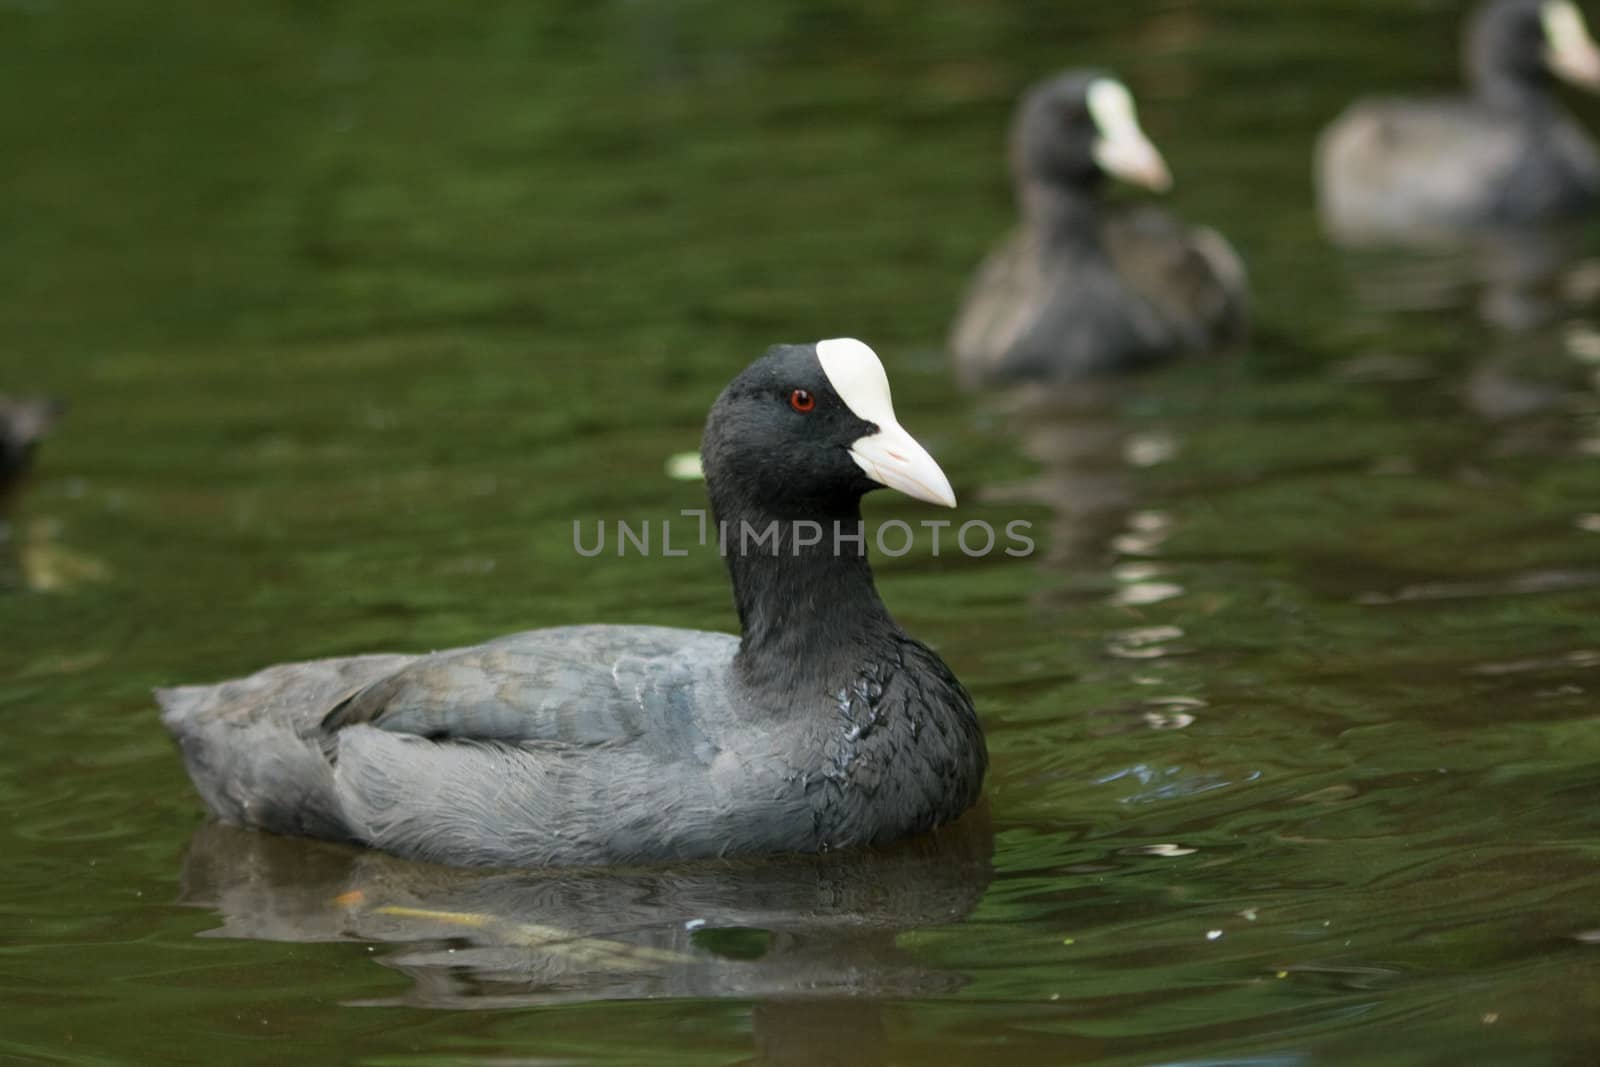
x,y
772,930
1089,444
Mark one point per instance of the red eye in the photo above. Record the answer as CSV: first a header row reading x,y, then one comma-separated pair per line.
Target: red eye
x,y
802,401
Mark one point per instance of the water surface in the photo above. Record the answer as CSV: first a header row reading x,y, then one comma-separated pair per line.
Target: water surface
x,y
1293,722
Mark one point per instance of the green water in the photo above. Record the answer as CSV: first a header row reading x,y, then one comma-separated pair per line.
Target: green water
x,y
1294,734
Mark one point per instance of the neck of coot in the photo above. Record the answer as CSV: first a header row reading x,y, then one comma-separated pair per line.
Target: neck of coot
x,y
1514,91
810,614
1505,79
1067,215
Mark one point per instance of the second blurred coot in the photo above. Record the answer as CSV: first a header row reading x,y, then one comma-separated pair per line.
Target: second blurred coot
x,y
24,421
1504,154
1082,289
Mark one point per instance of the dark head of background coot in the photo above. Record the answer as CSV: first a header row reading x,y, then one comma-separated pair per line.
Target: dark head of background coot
x,y
1056,134
24,422
1512,55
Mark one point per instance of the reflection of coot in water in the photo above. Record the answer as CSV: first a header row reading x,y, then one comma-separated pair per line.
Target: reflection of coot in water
x,y
1507,154
1518,279
1077,438
814,925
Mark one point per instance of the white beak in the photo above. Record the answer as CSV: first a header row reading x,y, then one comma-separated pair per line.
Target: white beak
x,y
893,458
1122,150
1570,52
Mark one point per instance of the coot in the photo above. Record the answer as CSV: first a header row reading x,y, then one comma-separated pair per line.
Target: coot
x,y
24,420
1505,154
824,726
1082,289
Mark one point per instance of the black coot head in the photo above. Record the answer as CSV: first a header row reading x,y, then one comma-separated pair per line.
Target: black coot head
x,y
805,430
23,423
1078,127
1524,42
